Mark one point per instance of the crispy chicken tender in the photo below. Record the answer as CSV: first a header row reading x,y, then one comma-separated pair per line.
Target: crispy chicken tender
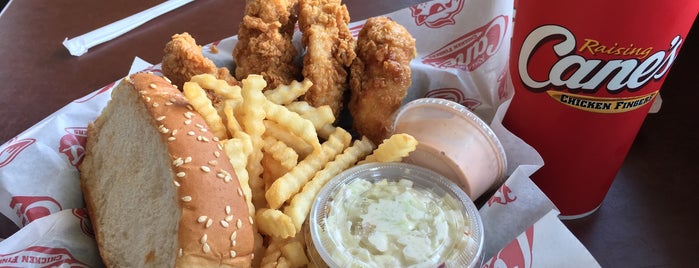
x,y
329,51
264,42
183,59
380,75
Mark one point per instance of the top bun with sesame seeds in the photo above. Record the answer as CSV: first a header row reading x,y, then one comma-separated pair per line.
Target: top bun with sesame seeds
x,y
159,189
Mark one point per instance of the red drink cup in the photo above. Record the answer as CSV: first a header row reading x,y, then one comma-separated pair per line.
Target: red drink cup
x,y
585,75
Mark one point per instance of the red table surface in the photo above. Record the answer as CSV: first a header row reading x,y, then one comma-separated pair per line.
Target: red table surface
x,y
648,218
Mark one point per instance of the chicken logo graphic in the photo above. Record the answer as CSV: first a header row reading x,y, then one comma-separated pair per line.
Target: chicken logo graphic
x,y
436,14
85,224
30,208
73,144
517,253
13,148
502,196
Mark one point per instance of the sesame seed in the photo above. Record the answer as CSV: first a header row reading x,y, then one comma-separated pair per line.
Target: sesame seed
x,y
143,92
201,219
203,130
173,100
209,222
177,184
206,248
190,133
187,159
228,218
178,162
147,99
220,147
228,210
239,223
167,80
233,254
189,107
187,198
153,86
174,131
203,239
220,175
224,224
234,242
180,174
171,139
199,125
155,104
164,130
216,139
179,252
217,153
188,115
234,235
168,103
205,169
240,191
250,219
160,118
228,178
187,122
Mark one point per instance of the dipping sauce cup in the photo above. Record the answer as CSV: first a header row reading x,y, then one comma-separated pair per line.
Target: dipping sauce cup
x,y
454,142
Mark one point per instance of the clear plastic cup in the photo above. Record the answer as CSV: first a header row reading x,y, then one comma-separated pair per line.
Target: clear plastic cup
x,y
347,231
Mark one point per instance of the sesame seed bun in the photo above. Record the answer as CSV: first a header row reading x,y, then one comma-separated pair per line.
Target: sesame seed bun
x,y
159,189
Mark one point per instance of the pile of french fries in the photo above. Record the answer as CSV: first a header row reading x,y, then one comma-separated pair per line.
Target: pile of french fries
x,y
283,151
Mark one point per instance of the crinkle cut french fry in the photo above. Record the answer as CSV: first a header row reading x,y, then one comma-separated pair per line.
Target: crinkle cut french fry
x,y
202,104
274,222
229,107
285,94
392,149
278,150
300,204
218,86
295,252
299,126
252,117
282,134
238,158
320,116
290,183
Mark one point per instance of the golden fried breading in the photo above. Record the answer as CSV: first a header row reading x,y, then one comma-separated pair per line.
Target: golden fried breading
x,y
380,75
183,59
264,42
329,51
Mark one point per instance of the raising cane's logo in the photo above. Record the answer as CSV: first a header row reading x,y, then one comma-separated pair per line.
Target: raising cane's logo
x,y
38,256
12,150
73,144
30,208
575,73
471,50
436,14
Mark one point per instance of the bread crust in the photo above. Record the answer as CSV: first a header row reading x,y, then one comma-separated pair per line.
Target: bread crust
x,y
215,229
